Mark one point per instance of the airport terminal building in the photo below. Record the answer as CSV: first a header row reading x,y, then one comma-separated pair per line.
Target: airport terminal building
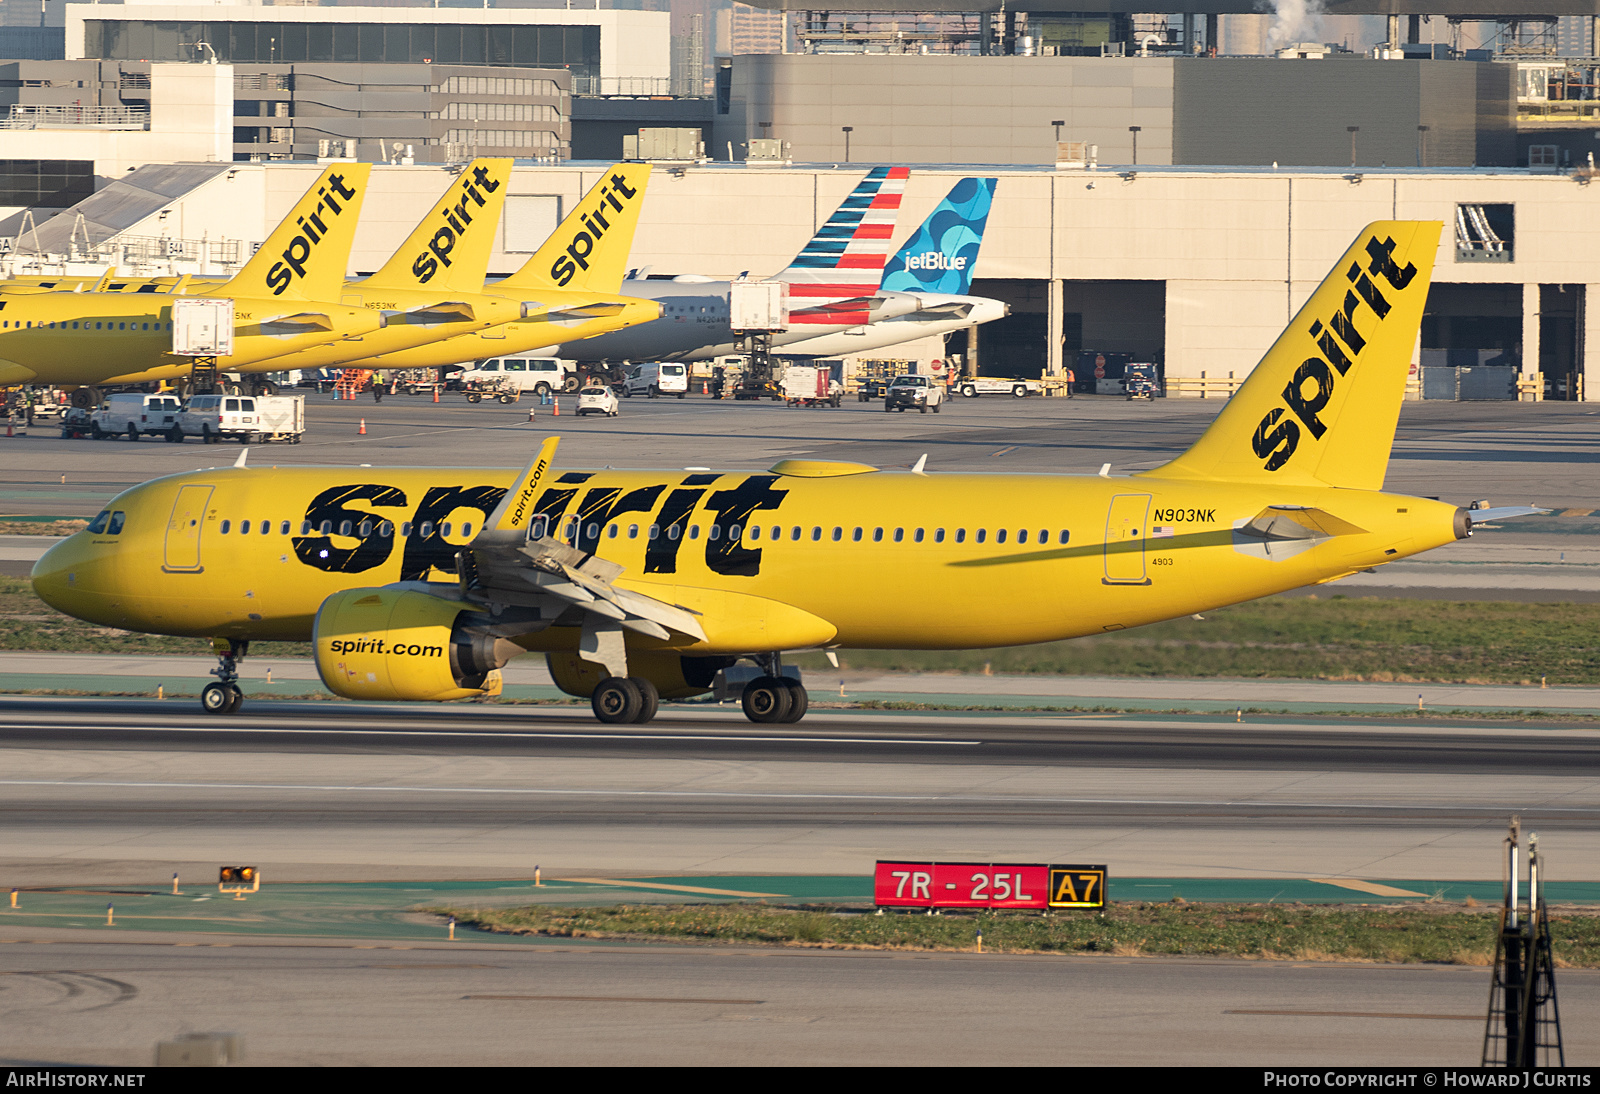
x,y
1195,269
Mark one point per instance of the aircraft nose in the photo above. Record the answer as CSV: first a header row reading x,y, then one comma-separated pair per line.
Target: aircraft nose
x,y
65,573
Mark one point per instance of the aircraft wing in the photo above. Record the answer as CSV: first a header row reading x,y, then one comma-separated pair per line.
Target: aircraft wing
x,y
508,570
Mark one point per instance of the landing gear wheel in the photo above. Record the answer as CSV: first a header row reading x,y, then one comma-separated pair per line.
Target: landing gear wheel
x,y
235,699
766,699
799,702
649,699
617,700
217,698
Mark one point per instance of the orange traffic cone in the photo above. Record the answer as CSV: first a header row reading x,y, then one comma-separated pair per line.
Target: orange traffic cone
x,y
530,414
363,428
8,427
436,393
558,408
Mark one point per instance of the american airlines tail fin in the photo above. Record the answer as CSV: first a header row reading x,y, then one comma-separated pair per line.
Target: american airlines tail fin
x,y
589,250
450,249
1321,407
305,256
940,255
832,280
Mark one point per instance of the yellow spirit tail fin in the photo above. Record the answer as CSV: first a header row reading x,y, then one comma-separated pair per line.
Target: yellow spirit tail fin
x,y
1321,407
589,251
305,256
450,249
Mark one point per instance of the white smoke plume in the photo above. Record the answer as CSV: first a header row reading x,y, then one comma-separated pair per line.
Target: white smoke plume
x,y
1294,21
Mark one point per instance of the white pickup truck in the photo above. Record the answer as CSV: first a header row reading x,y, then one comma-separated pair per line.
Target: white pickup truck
x,y
248,419
973,386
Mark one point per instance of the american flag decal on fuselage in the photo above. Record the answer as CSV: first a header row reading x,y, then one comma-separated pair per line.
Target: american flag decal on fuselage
x,y
832,281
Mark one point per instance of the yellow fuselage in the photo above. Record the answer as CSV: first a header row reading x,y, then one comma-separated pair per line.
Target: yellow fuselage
x,y
123,338
770,561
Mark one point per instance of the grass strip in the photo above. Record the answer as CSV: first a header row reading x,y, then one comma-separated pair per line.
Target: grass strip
x,y
1306,638
1448,934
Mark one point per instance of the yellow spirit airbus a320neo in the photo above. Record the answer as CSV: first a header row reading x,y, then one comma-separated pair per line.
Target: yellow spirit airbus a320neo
x,y
284,299
420,584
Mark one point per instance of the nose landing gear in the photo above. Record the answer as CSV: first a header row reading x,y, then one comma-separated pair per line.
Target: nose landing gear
x,y
224,695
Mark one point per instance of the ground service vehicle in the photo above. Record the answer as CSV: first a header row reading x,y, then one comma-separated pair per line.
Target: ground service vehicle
x,y
1139,381
913,393
248,419
655,379
597,399
421,583
973,386
540,375
135,415
811,385
501,390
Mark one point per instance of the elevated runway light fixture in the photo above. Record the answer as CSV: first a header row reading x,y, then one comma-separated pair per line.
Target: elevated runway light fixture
x,y
1134,129
847,130
1352,130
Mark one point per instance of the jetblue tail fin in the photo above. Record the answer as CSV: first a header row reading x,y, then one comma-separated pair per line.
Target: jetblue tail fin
x,y
833,278
1321,407
940,255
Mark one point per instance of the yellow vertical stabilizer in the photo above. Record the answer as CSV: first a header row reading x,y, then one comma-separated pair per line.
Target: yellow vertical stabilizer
x,y
1321,407
305,256
450,249
589,251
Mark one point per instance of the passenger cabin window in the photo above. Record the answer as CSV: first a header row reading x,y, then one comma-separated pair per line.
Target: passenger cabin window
x,y
244,528
539,527
427,529
225,525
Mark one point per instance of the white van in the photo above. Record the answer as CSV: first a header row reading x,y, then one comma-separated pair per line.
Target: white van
x,y
654,378
136,415
539,375
244,418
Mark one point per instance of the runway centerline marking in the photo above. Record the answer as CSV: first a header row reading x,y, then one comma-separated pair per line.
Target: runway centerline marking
x,y
497,734
950,799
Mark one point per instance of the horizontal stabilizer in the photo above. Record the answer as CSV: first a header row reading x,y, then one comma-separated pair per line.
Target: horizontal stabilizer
x,y
298,323
445,311
585,311
1281,522
1503,512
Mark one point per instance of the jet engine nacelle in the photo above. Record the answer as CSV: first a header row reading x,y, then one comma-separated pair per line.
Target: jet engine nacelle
x,y
674,675
399,643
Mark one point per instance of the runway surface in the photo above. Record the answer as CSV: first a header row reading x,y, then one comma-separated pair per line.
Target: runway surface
x,y
110,1003
127,791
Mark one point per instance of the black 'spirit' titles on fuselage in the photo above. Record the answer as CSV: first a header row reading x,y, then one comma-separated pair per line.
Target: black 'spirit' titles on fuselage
x,y
457,219
1277,436
582,244
312,230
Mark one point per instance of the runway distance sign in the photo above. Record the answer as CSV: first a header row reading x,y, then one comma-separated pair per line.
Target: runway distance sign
x,y
1032,886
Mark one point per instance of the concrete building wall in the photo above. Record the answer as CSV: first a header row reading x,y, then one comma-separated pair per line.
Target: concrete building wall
x,y
191,119
948,109
1297,113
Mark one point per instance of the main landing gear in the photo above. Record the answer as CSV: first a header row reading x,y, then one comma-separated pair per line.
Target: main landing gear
x,y
224,695
773,697
620,700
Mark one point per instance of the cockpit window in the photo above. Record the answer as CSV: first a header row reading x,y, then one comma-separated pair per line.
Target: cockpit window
x,y
98,524
117,520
